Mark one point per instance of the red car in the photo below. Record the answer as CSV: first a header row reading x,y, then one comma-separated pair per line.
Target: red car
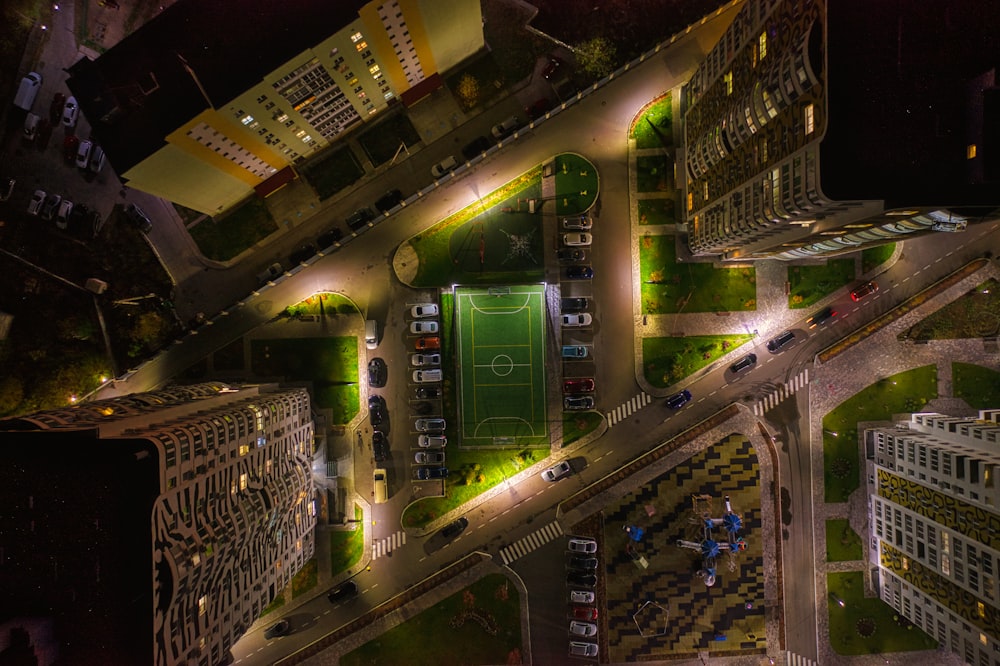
x,y
427,344
867,289
579,385
70,144
584,613
552,67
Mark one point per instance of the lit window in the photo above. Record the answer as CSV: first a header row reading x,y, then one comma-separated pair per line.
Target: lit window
x,y
810,121
307,139
355,37
243,481
981,609
361,46
244,449
705,190
690,200
374,71
202,605
728,78
970,151
763,44
247,119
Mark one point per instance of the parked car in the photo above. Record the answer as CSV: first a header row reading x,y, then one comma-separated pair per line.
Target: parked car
x,y
138,218
51,206
581,545
579,272
380,445
744,364
377,373
577,319
56,108
376,409
867,289
454,528
71,111
582,649
584,613
343,591
427,376
552,67
97,160
62,215
425,473
538,108
678,400
424,408
577,239
579,385
446,165
83,154
432,441
476,147
427,343
578,402
6,188
776,343
581,597
281,628
419,360
424,310
573,304
557,472
585,629
423,327
70,144
575,351
425,392
583,562
581,223
360,218
37,200
582,579
821,317
302,255
429,457
505,128
571,254
328,238
430,425
388,201
270,273
31,122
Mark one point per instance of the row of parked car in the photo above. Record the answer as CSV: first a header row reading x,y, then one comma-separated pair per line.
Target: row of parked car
x,y
581,573
426,361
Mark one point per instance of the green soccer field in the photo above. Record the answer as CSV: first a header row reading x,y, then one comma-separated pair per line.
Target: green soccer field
x,y
501,365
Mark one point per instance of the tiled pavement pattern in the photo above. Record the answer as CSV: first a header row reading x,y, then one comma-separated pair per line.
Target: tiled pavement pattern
x,y
536,539
698,615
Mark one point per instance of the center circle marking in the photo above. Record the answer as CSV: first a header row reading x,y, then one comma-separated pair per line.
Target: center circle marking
x,y
502,365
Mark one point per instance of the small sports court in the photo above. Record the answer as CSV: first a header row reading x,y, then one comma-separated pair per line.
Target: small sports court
x,y
501,359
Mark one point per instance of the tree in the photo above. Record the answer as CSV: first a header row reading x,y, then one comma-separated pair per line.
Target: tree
x,y
11,394
596,57
468,91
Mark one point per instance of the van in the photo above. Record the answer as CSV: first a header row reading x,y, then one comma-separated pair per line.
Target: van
x,y
28,90
371,333
381,486
446,165
31,126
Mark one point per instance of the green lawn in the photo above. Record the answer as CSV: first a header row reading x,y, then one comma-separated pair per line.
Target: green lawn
x,y
577,184
323,304
331,364
669,287
974,315
347,546
978,386
654,173
578,424
890,634
667,361
906,392
306,579
873,256
224,238
334,171
842,543
381,140
656,211
811,283
488,76
653,128
431,638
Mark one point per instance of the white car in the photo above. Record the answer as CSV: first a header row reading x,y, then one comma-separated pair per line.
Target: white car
x,y
424,310
83,154
70,112
427,376
62,216
577,239
581,597
585,629
577,319
579,545
35,205
581,649
432,441
425,359
444,166
581,223
557,472
429,457
423,327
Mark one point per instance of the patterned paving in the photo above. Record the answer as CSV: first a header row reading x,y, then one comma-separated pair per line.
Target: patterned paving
x,y
385,546
727,616
627,408
536,539
788,388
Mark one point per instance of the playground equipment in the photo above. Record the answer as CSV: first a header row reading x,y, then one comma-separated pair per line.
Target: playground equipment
x,y
709,547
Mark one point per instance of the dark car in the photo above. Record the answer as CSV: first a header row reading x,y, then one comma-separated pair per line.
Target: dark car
x,y
376,409
678,400
281,628
583,562
377,373
70,144
303,254
455,528
428,392
579,385
577,402
582,579
343,591
821,317
571,254
552,67
744,363
573,304
424,473
478,145
330,237
866,289
579,272
389,200
360,218
380,445
538,108
776,343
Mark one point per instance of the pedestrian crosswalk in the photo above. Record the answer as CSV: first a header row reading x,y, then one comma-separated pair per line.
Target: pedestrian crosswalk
x,y
536,539
788,388
626,408
385,546
792,659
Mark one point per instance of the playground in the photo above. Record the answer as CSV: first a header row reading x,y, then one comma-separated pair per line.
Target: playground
x,y
500,360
